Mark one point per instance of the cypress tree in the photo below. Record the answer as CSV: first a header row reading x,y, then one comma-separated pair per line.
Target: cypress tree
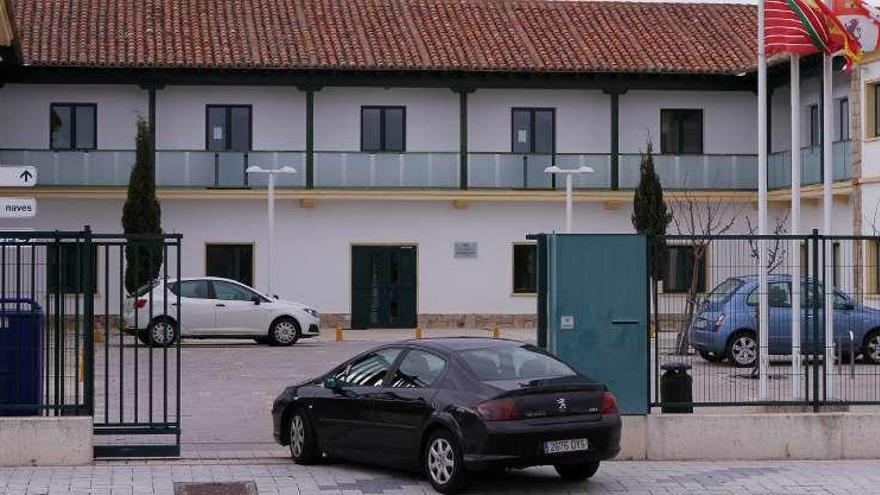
x,y
142,214
650,214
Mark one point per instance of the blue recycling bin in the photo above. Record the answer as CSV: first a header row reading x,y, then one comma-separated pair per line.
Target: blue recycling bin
x,y
21,357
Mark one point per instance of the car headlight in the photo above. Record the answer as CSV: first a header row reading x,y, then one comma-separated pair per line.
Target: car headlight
x,y
312,312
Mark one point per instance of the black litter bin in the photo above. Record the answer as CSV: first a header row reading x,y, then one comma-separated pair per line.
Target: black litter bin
x,y
21,357
676,386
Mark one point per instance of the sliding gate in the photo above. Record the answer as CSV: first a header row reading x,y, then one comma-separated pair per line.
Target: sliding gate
x,y
66,351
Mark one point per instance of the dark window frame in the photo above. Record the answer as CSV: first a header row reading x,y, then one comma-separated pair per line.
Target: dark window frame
x,y
63,284
227,126
679,121
843,131
532,130
73,141
514,288
703,277
383,146
251,246
876,95
815,126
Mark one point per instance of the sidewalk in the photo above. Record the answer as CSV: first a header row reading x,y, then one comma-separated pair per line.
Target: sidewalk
x,y
391,335
280,476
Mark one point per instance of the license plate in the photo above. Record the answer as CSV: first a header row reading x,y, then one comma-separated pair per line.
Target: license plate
x,y
570,445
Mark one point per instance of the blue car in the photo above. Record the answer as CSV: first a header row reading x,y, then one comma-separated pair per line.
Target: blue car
x,y
726,323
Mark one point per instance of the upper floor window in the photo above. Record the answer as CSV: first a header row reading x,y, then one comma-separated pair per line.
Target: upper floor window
x,y
873,107
228,127
681,131
383,128
534,130
682,270
73,126
815,129
843,119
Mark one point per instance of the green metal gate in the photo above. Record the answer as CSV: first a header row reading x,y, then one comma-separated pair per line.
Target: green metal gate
x,y
593,304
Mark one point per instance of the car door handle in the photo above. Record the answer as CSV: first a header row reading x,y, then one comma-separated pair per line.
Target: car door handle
x,y
221,305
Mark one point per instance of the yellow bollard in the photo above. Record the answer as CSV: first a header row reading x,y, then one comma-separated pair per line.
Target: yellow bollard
x,y
98,336
418,332
338,334
82,368
496,331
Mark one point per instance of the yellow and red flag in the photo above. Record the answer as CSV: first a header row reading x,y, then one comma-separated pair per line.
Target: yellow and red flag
x,y
805,27
861,20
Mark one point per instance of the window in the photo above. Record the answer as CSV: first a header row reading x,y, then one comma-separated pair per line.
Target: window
x,y
514,363
525,268
418,369
193,289
66,269
73,126
835,264
681,131
778,295
227,291
369,371
228,128
872,105
724,291
843,119
680,270
815,127
232,261
383,128
533,130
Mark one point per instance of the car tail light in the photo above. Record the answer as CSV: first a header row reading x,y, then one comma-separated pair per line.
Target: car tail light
x,y
140,303
498,410
609,403
718,322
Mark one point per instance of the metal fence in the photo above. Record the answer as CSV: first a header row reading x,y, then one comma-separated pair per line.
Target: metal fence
x,y
67,345
705,304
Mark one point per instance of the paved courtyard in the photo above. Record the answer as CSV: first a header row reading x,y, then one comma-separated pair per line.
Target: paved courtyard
x,y
282,477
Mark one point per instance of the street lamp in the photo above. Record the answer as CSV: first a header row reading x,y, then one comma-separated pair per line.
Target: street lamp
x,y
568,173
271,172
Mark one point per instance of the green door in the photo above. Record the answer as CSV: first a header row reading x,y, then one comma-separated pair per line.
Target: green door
x,y
598,311
383,287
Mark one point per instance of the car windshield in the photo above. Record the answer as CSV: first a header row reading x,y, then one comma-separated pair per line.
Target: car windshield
x,y
514,363
722,293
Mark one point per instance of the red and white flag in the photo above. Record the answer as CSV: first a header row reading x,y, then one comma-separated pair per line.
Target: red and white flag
x,y
862,20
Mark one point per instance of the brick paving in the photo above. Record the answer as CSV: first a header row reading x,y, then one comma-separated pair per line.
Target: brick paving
x,y
280,476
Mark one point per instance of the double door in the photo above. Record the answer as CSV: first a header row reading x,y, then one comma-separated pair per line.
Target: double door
x,y
383,293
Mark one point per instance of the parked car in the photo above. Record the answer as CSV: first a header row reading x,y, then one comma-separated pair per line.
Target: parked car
x,y
726,323
451,406
215,307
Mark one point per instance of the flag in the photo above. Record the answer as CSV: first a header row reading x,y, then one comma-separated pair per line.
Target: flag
x,y
805,27
861,20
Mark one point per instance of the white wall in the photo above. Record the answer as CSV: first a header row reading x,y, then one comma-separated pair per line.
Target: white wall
x,y
279,115
583,118
24,112
729,119
432,120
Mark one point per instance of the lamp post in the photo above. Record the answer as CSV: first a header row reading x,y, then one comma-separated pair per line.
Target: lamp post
x,y
568,173
271,173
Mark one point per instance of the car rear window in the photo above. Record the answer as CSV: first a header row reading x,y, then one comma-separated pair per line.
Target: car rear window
x,y
514,363
724,291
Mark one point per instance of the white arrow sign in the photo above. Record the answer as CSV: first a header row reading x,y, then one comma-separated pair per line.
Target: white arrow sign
x,y
18,176
18,207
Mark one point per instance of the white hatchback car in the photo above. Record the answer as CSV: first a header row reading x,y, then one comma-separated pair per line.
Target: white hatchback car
x,y
215,307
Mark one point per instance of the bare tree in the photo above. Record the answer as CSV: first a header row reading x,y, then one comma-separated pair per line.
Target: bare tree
x,y
775,252
700,221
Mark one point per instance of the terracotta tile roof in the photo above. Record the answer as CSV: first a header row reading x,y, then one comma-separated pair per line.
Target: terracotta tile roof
x,y
472,35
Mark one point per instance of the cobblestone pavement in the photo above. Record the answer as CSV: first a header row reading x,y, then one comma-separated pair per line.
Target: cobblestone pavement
x,y
277,476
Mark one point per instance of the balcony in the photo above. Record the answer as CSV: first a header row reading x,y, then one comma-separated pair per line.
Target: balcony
x,y
420,170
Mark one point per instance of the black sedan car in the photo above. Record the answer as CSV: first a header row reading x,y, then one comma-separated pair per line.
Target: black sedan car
x,y
449,407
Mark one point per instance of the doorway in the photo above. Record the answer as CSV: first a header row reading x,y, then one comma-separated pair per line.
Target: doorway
x,y
383,286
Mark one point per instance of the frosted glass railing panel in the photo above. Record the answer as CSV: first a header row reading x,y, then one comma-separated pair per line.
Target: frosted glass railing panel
x,y
278,159
74,168
391,170
185,168
600,178
509,171
694,171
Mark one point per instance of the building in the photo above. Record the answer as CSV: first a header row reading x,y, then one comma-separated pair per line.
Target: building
x,y
420,130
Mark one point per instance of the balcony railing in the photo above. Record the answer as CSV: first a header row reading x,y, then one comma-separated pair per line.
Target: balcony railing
x,y
421,170
779,165
387,170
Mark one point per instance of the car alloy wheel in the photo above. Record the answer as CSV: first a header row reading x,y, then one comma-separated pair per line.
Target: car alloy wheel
x,y
872,348
441,461
744,350
285,332
162,333
297,437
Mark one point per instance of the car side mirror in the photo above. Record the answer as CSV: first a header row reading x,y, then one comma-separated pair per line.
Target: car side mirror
x,y
257,300
332,383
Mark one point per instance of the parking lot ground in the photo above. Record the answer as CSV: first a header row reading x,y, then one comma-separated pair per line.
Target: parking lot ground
x,y
277,476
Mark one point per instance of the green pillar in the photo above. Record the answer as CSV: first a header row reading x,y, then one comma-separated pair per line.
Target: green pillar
x,y
615,93
463,135
309,90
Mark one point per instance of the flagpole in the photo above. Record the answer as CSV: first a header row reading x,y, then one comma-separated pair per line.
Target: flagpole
x,y
795,255
827,204
763,314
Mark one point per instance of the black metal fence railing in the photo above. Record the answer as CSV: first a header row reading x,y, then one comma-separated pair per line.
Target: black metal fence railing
x,y
705,314
74,341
